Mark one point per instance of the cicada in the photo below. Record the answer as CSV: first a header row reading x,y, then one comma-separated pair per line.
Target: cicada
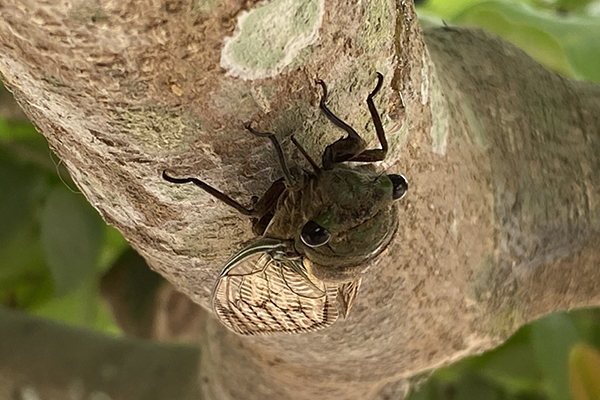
x,y
318,229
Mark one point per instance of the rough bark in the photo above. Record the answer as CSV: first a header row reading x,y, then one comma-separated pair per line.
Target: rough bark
x,y
501,224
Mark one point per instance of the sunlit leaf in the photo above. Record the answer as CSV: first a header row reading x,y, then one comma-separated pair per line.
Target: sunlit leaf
x,y
446,9
567,44
584,372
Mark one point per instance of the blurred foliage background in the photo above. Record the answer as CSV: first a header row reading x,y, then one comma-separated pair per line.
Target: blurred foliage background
x,y
59,260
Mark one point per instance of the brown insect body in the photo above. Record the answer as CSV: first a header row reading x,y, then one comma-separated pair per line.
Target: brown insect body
x,y
318,229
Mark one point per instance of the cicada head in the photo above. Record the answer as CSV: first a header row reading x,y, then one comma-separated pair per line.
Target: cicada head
x,y
350,216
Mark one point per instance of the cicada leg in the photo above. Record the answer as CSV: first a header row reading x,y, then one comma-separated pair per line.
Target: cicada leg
x,y
265,206
286,170
252,212
352,148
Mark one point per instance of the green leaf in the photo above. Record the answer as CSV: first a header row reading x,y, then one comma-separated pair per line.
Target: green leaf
x,y
472,387
17,130
552,338
521,25
446,9
72,236
21,189
584,372
567,44
514,367
25,280
81,307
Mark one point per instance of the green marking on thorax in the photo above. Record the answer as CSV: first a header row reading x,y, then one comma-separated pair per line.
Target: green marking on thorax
x,y
327,219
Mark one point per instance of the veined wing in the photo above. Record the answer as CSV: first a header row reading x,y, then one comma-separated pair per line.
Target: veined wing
x,y
260,291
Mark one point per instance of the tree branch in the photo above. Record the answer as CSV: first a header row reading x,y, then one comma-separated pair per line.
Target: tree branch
x,y
500,153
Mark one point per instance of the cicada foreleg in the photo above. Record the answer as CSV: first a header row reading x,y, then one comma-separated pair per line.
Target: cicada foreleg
x,y
352,148
372,155
342,149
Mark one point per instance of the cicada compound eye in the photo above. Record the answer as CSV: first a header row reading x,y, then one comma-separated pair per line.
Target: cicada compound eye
x,y
400,186
314,235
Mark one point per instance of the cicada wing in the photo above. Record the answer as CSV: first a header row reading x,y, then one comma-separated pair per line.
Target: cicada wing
x,y
263,293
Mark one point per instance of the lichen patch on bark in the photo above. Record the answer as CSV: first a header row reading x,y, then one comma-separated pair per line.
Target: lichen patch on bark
x,y
268,38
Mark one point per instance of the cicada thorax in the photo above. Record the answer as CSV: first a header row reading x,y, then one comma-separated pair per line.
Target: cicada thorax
x,y
356,206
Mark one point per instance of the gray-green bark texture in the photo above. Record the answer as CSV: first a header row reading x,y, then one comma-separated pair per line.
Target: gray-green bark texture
x,y
500,226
